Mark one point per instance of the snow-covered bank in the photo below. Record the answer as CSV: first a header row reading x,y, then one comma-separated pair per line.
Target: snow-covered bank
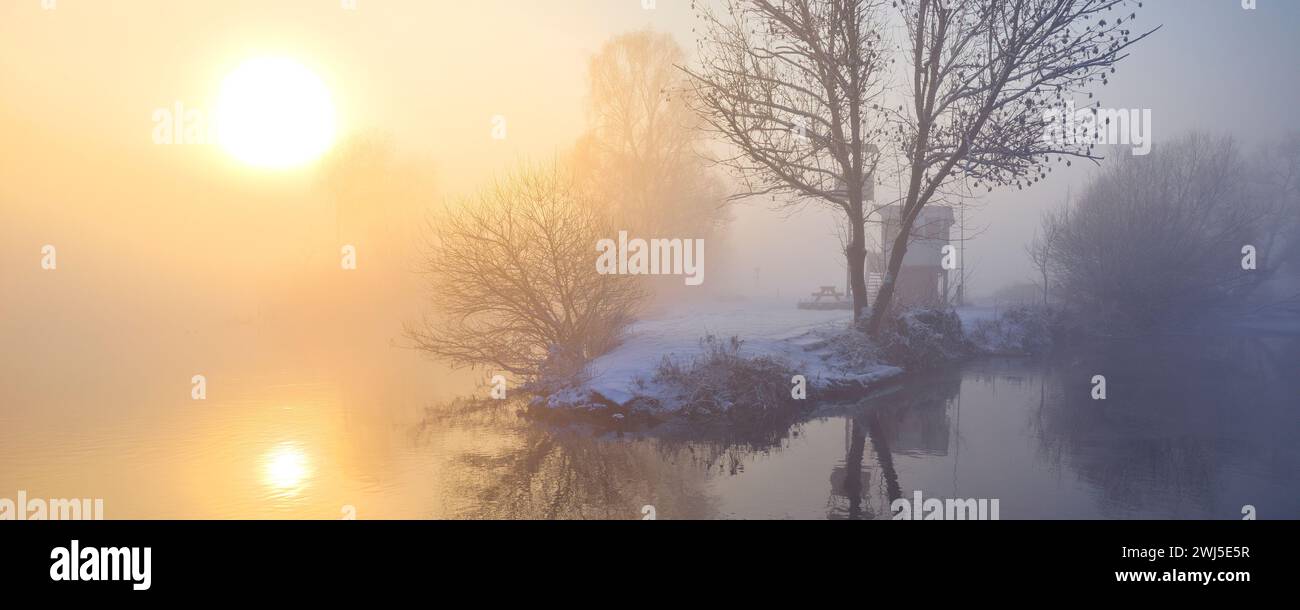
x,y
797,338
1017,330
707,359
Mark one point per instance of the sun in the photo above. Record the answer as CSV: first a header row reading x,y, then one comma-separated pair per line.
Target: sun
x,y
274,113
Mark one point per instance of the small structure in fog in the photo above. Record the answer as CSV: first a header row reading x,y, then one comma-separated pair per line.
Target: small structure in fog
x,y
827,298
922,280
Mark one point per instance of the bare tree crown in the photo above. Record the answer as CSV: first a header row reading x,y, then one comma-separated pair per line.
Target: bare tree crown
x,y
513,281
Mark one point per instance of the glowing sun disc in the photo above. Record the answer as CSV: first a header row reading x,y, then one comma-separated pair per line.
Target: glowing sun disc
x,y
275,113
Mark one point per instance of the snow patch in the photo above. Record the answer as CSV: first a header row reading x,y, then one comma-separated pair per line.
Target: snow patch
x,y
810,342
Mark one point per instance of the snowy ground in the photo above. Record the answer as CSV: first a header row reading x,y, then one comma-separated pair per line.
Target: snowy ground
x,y
771,329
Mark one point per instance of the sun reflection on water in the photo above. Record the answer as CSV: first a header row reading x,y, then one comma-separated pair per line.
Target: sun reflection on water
x,y
286,469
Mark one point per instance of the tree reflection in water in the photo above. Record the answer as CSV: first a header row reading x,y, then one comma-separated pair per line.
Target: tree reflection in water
x,y
1186,431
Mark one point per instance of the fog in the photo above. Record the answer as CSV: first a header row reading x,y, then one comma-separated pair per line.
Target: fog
x,y
178,259
430,77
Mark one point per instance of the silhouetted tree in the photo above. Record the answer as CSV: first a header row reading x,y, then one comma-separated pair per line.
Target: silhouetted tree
x,y
985,77
793,87
513,281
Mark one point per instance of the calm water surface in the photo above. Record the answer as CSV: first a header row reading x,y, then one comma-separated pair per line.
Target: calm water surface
x,y
1191,428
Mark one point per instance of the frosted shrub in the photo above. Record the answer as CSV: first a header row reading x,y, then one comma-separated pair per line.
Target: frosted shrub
x,y
721,381
1019,330
923,338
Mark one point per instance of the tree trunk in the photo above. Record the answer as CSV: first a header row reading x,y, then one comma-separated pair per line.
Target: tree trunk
x,y
884,456
856,252
853,483
881,307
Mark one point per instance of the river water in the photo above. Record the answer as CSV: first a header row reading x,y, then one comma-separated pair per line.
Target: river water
x,y
1189,429
1192,427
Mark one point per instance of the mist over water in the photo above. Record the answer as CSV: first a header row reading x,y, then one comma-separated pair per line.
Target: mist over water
x,y
177,260
1201,435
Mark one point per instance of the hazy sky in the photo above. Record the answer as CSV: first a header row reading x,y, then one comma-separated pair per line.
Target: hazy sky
x,y
176,260
81,82
1211,67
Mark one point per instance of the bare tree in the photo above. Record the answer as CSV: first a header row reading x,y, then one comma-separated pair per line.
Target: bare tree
x,y
1042,249
640,152
1277,164
1157,240
985,79
513,280
794,87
